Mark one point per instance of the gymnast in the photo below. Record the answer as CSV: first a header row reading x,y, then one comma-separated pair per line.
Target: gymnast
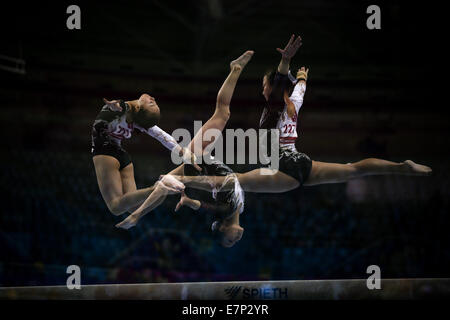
x,y
113,166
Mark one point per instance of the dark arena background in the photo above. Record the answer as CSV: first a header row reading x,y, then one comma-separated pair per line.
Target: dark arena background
x,y
371,93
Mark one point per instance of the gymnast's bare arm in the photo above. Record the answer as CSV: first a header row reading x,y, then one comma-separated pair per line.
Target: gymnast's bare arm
x,y
298,93
287,53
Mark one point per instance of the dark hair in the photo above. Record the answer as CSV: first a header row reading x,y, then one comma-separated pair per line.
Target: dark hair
x,y
217,235
146,118
189,170
270,74
222,206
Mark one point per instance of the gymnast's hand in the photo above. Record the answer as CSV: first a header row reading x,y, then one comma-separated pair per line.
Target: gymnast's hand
x,y
186,201
302,74
291,48
170,184
113,105
190,158
182,201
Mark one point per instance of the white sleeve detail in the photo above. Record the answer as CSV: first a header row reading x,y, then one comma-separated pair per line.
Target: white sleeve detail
x,y
291,77
159,134
297,94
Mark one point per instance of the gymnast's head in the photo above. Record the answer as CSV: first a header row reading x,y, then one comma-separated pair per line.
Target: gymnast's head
x,y
146,114
227,232
267,84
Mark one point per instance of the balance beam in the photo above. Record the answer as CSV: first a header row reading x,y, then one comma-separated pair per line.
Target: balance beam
x,y
355,289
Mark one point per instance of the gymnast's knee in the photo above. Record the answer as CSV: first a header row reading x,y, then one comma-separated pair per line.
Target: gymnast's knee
x,y
115,208
222,111
355,169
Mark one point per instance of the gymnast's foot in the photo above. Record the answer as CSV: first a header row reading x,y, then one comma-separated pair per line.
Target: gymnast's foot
x,y
240,63
417,169
128,223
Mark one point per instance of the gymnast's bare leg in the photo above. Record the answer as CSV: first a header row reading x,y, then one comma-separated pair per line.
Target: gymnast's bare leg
x,y
321,173
222,112
324,172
